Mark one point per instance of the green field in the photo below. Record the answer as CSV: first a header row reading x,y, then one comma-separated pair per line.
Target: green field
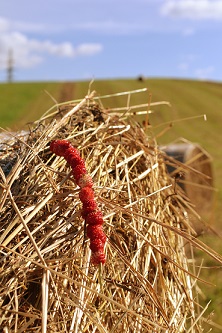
x,y
21,103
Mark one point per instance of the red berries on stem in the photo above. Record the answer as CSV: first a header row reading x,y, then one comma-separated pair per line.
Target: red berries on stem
x,y
59,147
90,212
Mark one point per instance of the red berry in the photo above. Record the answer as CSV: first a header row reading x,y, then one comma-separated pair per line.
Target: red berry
x,y
98,258
86,194
88,207
85,181
59,147
96,245
72,153
78,172
95,232
75,160
90,212
95,218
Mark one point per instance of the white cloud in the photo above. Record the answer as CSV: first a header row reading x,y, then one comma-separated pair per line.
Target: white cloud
x,y
88,49
28,52
193,9
204,73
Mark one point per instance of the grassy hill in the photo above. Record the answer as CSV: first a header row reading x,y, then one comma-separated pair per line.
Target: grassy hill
x,y
21,103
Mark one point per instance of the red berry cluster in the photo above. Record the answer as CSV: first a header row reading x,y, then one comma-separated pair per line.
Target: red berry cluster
x,y
90,211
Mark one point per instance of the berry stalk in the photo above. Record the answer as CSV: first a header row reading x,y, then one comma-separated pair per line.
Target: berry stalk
x,y
90,211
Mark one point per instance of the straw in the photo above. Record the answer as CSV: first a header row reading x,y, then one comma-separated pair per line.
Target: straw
x,y
47,282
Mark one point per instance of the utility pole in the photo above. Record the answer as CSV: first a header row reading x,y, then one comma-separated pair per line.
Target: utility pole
x,y
10,66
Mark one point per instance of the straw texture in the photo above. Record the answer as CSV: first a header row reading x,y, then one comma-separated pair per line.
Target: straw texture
x,y
47,282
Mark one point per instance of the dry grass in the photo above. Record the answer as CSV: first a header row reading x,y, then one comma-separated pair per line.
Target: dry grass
x,y
47,283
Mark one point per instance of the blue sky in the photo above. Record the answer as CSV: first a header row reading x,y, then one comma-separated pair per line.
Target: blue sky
x,y
85,39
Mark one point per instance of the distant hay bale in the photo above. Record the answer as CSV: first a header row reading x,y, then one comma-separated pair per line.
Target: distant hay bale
x,y
192,166
141,78
46,280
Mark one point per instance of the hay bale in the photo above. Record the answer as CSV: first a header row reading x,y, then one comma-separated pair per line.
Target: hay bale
x,y
46,280
191,165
